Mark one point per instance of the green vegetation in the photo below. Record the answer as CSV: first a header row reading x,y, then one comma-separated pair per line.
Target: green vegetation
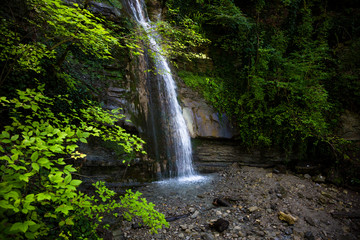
x,y
277,68
38,196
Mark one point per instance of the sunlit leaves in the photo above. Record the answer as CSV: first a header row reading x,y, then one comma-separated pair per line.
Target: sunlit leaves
x,y
37,183
75,25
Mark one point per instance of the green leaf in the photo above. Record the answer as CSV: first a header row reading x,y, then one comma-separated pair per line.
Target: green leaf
x,y
15,137
34,156
64,209
19,227
75,182
43,161
35,166
5,204
43,196
56,148
15,157
83,140
69,221
12,194
5,134
67,179
56,178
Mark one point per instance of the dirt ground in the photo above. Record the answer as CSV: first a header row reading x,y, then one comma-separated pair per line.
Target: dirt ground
x,y
262,204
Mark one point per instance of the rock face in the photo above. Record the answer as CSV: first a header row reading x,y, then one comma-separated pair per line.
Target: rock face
x,y
350,126
214,155
201,119
109,12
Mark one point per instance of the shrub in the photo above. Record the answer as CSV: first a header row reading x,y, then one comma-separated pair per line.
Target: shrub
x,y
38,191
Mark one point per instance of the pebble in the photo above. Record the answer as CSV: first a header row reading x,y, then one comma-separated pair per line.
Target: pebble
x,y
309,220
288,231
207,236
253,209
196,214
287,218
237,228
183,226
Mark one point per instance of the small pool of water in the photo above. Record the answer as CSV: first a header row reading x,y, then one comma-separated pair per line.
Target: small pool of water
x,y
187,188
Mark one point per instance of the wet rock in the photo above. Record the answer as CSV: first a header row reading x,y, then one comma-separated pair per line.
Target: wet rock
x,y
310,221
309,236
273,206
220,225
221,202
287,218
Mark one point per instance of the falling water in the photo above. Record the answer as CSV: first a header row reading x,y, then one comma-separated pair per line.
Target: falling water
x,y
177,135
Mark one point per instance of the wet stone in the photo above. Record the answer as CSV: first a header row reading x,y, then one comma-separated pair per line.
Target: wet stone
x,y
310,221
309,236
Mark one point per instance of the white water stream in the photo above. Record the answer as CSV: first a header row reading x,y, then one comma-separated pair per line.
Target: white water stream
x,y
178,138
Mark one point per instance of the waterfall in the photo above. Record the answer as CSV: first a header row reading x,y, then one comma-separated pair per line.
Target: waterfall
x,y
176,133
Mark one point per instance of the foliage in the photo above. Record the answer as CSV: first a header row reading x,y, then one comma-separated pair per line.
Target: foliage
x,y
212,88
273,69
182,41
57,28
38,193
62,24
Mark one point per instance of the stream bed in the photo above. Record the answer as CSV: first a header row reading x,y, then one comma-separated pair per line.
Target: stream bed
x,y
256,196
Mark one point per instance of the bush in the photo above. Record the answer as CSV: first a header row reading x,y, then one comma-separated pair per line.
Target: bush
x,y
38,191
